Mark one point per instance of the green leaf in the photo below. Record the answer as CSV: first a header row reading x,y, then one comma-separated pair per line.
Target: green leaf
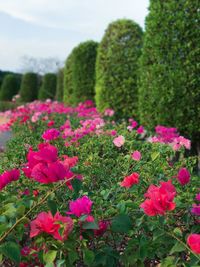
x,y
154,155
178,247
73,256
50,256
88,257
90,225
121,223
52,206
12,251
76,184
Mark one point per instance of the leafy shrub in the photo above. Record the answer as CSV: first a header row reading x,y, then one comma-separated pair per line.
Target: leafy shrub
x,y
68,88
169,79
10,87
116,69
29,87
48,87
60,85
83,71
106,200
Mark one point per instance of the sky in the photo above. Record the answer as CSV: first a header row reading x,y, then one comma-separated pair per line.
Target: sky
x,y
52,28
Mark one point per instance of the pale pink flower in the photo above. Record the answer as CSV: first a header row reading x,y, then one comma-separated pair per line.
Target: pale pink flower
x,y
136,155
119,141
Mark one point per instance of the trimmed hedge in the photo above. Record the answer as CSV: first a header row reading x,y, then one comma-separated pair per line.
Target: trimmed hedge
x,y
169,70
29,87
10,87
117,66
48,87
60,85
83,71
68,88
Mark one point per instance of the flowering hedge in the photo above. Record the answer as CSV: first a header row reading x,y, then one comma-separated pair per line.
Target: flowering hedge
x,y
79,189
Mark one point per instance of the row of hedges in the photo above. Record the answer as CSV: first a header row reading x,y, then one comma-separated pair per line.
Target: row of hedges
x,y
30,87
155,77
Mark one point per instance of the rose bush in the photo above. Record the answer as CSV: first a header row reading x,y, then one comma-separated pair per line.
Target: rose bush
x,y
86,190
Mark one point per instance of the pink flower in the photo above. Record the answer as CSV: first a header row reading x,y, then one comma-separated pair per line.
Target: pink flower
x,y
130,180
193,241
50,123
80,206
50,134
183,176
109,112
119,141
140,130
159,199
196,209
52,225
8,177
198,197
103,225
136,155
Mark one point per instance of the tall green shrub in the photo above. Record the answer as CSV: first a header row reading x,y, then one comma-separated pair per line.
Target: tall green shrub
x,y
10,87
117,66
48,87
83,71
60,85
29,87
169,91
68,88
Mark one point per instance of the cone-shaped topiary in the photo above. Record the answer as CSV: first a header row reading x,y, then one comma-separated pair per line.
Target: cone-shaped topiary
x,y
10,87
29,87
83,71
117,66
48,87
68,88
169,91
60,85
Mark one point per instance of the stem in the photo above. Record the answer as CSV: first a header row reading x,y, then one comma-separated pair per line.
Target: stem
x,y
36,205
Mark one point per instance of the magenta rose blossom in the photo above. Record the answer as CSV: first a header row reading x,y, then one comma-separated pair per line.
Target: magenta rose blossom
x,y
183,176
50,134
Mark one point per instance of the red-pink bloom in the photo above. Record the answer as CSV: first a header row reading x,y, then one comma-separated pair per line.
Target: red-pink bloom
x,y
183,176
80,206
136,155
103,225
119,141
159,199
140,130
50,123
196,209
198,197
58,226
8,177
130,180
50,134
193,241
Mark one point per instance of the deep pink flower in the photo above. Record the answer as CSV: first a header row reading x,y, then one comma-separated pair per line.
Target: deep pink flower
x,y
196,209
80,206
198,197
119,141
103,225
183,176
136,155
50,134
193,241
140,130
50,123
159,199
130,180
8,177
53,225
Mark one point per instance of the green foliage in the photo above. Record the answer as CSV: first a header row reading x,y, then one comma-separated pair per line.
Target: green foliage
x,y
117,65
169,69
60,85
79,73
29,87
10,87
48,87
68,88
83,71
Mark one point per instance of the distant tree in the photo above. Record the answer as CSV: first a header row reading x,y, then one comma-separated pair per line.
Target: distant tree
x,y
29,87
48,87
10,87
60,85
41,65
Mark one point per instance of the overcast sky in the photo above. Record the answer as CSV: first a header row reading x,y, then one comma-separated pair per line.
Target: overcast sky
x,y
51,28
